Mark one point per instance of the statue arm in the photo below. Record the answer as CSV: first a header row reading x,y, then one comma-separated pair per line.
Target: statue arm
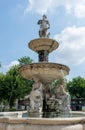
x,y
39,22
48,24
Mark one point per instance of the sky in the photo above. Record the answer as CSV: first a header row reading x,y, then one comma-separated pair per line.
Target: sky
x,y
18,26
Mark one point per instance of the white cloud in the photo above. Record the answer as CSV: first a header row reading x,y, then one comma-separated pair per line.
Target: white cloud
x,y
7,67
13,63
72,45
75,7
80,10
40,6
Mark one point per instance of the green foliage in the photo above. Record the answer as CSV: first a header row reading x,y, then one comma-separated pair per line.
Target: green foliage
x,y
16,86
11,109
0,64
57,82
12,85
76,87
25,60
2,84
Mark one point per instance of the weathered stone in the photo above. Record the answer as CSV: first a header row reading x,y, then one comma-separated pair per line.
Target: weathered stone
x,y
47,72
42,124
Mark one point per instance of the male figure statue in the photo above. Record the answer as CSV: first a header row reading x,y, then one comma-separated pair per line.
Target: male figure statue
x,y
44,26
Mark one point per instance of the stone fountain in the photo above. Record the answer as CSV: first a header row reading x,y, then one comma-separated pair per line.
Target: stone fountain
x,y
44,73
42,99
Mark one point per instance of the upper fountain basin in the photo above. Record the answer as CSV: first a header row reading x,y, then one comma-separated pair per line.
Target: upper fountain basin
x,y
43,44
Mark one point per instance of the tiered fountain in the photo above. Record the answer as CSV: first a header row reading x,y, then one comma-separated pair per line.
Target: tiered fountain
x,y
41,99
43,72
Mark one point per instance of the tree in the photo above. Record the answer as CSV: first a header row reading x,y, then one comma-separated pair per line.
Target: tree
x,y
25,60
0,64
22,81
16,86
76,87
2,90
2,84
12,85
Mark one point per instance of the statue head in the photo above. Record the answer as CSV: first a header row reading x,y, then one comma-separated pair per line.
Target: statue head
x,y
44,16
59,82
58,85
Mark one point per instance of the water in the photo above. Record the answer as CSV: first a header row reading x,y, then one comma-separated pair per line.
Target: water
x,y
41,115
53,115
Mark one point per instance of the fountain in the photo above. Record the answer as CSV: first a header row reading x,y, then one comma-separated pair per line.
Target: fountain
x,y
49,103
43,73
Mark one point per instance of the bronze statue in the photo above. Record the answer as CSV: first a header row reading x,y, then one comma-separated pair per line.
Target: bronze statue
x,y
44,26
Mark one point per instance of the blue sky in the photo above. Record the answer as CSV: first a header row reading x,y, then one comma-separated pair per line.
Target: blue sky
x,y
18,26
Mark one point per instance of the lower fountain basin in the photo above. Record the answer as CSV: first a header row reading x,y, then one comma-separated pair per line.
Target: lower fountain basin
x,y
47,72
27,123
